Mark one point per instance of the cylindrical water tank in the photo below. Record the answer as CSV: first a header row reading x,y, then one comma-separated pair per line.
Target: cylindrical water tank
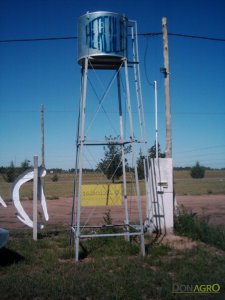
x,y
102,37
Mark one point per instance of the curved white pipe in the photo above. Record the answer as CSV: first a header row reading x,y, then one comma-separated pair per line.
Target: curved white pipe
x,y
41,196
2,202
23,178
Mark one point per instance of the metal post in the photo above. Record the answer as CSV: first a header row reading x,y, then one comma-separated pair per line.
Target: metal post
x,y
156,121
167,91
35,192
123,156
80,160
137,79
134,157
74,207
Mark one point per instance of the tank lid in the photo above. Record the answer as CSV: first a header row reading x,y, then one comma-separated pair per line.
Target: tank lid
x,y
102,12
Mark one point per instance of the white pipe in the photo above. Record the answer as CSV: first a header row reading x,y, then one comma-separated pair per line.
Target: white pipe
x,y
2,202
156,121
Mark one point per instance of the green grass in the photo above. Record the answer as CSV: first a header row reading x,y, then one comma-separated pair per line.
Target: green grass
x,y
188,224
213,183
113,269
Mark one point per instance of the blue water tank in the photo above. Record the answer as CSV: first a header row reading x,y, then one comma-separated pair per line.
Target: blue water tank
x,y
102,37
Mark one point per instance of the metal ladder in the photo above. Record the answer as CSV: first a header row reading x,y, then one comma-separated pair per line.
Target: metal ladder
x,y
156,194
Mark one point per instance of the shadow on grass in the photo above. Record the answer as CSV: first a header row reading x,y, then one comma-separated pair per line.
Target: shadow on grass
x,y
9,257
153,240
48,234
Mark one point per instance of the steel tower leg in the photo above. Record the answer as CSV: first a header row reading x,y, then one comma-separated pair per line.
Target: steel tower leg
x,y
80,158
123,156
74,207
134,157
137,79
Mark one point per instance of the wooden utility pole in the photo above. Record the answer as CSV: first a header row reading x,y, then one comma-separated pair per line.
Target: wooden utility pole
x,y
42,137
165,70
35,196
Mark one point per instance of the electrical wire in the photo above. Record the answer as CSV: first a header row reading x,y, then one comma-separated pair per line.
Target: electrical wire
x,y
201,148
148,34
42,39
197,37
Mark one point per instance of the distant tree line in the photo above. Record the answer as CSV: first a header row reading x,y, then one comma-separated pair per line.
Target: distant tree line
x,y
11,172
188,168
85,170
110,165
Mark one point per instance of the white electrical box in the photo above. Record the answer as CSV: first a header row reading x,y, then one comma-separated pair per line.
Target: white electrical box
x,y
160,200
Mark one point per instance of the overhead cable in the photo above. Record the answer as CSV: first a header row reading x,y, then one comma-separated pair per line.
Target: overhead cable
x,y
146,34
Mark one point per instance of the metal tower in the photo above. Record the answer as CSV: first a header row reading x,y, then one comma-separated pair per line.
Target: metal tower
x,y
103,42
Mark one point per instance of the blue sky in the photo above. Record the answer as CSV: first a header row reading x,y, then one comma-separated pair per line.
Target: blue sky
x,y
46,72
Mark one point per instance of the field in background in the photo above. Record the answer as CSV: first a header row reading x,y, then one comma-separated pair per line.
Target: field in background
x,y
213,183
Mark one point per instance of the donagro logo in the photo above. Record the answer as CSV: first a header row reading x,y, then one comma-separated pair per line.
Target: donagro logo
x,y
178,288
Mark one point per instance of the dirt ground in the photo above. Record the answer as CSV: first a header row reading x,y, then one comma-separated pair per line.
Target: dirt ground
x,y
211,206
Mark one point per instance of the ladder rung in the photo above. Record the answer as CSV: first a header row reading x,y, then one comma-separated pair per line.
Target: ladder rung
x,y
161,216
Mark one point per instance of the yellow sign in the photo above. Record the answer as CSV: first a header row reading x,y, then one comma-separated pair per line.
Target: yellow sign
x,y
101,194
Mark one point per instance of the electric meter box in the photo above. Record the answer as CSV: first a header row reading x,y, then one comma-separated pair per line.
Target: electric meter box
x,y
160,208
